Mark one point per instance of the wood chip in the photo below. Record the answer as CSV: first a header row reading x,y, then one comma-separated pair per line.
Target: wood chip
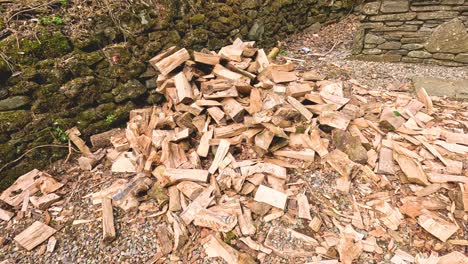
x,y
437,226
108,229
34,235
271,196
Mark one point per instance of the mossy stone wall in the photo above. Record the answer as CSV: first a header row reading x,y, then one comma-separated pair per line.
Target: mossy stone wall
x,y
55,81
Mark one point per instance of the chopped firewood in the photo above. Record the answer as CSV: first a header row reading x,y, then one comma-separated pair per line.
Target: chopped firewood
x,y
428,190
255,101
425,99
224,73
455,148
190,189
308,155
34,235
127,196
120,142
334,119
300,107
123,163
221,152
5,215
229,131
206,58
233,109
108,229
169,63
263,139
51,244
412,169
74,135
204,146
432,149
436,225
174,199
262,60
455,138
315,224
271,196
443,178
231,53
217,114
340,162
453,258
217,220
297,244
402,257
172,176
268,168
43,202
184,89
103,140
304,207
348,250
282,76
215,247
391,216
162,55
245,222
386,165
30,182
299,89
390,119
201,202
464,191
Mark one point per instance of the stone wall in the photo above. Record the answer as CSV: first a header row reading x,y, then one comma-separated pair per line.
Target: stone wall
x,y
55,80
418,31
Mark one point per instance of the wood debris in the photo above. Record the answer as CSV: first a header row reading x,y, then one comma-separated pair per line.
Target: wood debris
x,y
34,235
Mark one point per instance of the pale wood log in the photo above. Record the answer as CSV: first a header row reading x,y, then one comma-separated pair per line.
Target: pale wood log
x,y
169,63
5,215
34,235
172,176
437,226
271,196
223,149
184,89
206,58
201,202
204,146
108,228
300,107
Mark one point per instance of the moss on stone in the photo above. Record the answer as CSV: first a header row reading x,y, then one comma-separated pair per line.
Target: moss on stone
x,y
14,120
197,19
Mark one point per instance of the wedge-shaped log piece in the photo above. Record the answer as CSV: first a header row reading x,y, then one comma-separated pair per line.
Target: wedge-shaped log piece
x,y
168,64
218,220
437,226
412,169
204,146
300,107
223,149
206,58
283,77
34,235
5,215
444,178
43,202
271,196
173,176
229,131
184,89
386,165
74,135
222,72
268,168
201,202
233,109
307,155
303,207
190,189
215,247
339,161
334,119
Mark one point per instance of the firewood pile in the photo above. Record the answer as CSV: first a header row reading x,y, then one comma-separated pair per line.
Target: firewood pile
x,y
228,149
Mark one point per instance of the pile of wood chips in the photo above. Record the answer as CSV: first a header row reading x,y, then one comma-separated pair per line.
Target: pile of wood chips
x,y
223,152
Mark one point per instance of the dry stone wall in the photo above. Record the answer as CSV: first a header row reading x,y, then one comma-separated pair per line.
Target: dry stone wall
x,y
417,31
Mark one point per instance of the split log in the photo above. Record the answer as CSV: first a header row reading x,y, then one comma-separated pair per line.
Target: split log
x,y
201,202
218,220
127,197
34,235
386,165
215,247
190,189
271,196
334,119
184,89
74,135
43,202
223,149
108,229
300,107
412,169
206,58
169,63
267,168
437,226
303,207
204,146
172,176
5,215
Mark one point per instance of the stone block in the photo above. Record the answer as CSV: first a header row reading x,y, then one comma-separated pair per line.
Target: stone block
x,y
372,51
379,58
419,54
427,2
411,60
450,37
412,46
453,2
373,39
394,17
462,57
443,56
370,46
371,8
394,23
444,63
431,8
406,28
437,15
397,52
414,22
460,8
394,6
413,40
358,42
14,102
369,25
393,45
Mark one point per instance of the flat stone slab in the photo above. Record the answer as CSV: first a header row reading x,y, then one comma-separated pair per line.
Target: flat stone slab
x,y
453,88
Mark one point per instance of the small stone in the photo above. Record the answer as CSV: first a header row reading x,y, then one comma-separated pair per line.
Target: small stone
x,y
374,39
419,54
411,60
394,17
394,6
372,51
350,145
130,90
413,46
443,56
390,45
462,57
14,102
371,8
437,15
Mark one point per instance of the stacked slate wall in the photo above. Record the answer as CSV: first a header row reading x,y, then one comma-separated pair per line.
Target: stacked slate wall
x,y
417,31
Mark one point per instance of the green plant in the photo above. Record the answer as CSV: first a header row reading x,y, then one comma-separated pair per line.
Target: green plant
x,y
47,20
110,118
61,134
63,2
396,113
283,52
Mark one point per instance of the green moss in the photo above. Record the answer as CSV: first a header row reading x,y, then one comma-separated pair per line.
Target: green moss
x,y
14,120
197,19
